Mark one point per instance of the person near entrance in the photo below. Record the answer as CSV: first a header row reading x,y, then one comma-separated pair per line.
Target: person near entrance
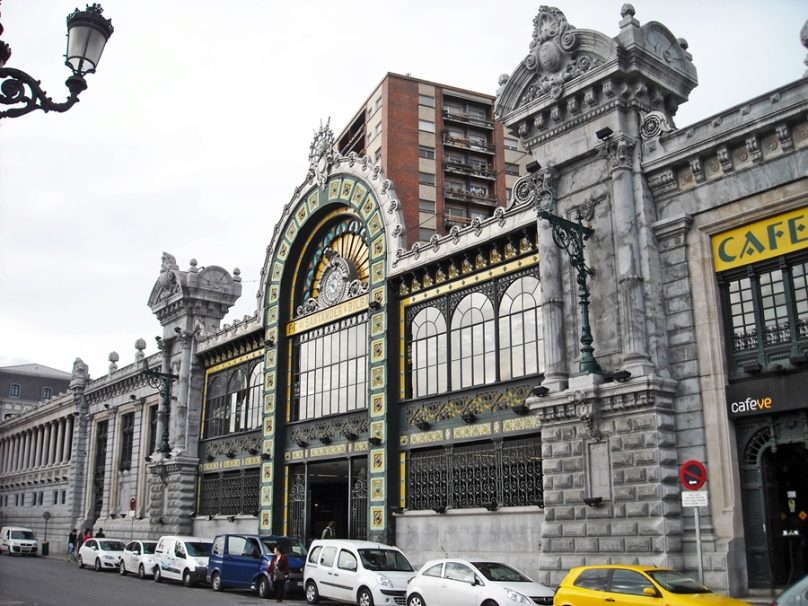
x,y
279,573
328,531
72,540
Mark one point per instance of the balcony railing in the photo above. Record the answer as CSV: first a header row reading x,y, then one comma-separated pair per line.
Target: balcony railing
x,y
467,118
466,143
471,170
480,196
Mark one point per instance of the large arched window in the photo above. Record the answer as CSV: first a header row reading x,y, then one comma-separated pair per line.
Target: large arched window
x,y
473,342
256,397
520,330
217,409
234,400
429,359
237,390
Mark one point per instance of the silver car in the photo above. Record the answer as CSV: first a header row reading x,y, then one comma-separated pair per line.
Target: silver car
x,y
464,583
138,557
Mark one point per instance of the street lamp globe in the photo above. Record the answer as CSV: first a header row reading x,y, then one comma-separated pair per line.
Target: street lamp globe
x,y
87,34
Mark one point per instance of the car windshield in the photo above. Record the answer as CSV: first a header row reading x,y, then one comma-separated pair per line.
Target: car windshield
x,y
676,583
22,534
199,550
494,571
149,547
384,559
291,547
111,545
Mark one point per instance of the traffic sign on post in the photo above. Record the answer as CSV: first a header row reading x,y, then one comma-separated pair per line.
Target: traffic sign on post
x,y
693,475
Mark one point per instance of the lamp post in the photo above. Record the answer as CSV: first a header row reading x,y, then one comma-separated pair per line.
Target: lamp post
x,y
571,237
162,381
87,34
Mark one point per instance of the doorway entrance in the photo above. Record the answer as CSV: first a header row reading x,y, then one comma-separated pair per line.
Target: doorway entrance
x,y
328,491
775,500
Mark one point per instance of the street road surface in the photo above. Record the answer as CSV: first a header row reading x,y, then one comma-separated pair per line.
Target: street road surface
x,y
51,581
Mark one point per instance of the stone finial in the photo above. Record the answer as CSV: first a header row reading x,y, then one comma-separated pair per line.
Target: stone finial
x,y
193,268
627,9
236,275
804,40
80,375
113,361
140,345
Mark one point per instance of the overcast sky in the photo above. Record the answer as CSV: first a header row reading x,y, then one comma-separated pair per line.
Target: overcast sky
x,y
195,132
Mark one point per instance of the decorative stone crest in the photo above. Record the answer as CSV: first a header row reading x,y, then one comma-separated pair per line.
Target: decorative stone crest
x,y
338,283
654,124
321,154
538,188
551,55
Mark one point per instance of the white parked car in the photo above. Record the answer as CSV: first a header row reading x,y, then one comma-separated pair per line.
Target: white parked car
x,y
357,572
182,559
15,539
101,554
464,583
138,557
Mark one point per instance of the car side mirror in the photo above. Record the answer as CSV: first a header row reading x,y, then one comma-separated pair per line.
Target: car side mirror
x,y
651,592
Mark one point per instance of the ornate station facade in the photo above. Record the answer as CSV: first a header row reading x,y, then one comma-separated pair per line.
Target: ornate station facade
x,y
526,386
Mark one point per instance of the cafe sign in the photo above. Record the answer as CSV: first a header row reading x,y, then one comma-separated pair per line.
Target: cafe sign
x,y
766,239
767,395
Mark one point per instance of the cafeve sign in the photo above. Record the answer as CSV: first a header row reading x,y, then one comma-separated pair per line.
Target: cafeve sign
x,y
765,239
767,395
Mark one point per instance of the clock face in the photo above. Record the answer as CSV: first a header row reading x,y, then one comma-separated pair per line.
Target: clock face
x,y
332,286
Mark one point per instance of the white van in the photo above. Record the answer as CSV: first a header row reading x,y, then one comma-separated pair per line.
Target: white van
x,y
15,539
181,559
357,572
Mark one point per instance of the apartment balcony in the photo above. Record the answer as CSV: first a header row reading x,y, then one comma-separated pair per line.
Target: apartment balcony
x,y
473,194
469,170
451,220
466,118
471,144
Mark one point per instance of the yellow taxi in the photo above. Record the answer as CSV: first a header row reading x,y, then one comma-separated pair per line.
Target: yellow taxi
x,y
620,585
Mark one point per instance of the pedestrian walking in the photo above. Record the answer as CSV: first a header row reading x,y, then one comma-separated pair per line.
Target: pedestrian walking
x,y
279,573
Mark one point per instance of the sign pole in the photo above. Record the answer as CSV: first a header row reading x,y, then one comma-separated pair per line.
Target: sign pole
x,y
698,544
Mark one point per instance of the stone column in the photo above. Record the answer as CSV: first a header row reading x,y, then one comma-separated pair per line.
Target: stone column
x,y
556,370
68,444
17,452
47,430
52,444
3,455
181,417
60,440
26,459
621,152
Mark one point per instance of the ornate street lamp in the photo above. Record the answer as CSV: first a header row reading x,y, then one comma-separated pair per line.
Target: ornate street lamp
x,y
162,381
87,34
571,237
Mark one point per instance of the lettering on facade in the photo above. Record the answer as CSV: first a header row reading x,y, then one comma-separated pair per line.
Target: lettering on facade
x,y
752,405
327,315
765,239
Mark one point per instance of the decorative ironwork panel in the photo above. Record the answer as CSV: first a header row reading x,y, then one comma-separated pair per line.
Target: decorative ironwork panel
x,y
521,473
359,506
474,476
484,474
231,493
428,479
297,506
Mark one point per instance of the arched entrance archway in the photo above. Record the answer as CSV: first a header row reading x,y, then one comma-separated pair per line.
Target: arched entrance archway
x,y
774,484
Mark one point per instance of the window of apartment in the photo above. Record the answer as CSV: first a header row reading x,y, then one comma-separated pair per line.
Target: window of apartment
x,y
55,497
46,393
426,206
477,112
426,152
478,214
511,144
14,390
41,497
426,179
511,169
127,436
64,497
426,100
426,125
425,234
377,129
508,194
378,154
454,211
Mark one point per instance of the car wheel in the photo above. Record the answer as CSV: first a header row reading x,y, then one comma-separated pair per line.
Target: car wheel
x,y
490,603
364,597
312,595
216,582
141,572
97,565
122,568
187,581
80,562
416,600
158,577
265,588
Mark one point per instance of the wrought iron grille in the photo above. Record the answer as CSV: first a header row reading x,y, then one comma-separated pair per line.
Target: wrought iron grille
x,y
229,493
485,474
297,506
359,506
